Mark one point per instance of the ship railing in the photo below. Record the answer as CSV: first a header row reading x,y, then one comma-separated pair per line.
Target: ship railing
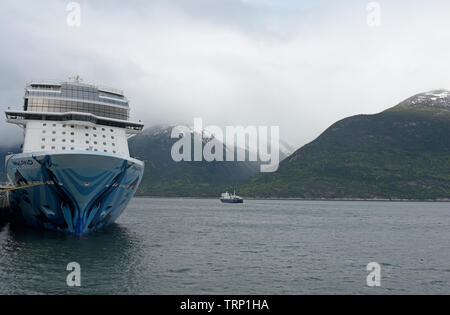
x,y
58,82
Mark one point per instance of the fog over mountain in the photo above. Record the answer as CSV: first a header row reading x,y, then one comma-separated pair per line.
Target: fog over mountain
x,y
300,65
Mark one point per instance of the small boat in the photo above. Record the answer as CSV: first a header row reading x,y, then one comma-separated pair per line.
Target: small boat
x,y
231,198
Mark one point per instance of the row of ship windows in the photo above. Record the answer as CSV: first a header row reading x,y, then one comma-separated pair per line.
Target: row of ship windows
x,y
93,97
105,94
59,103
65,87
60,106
80,96
73,126
78,88
73,141
109,113
73,149
87,89
46,87
73,134
55,99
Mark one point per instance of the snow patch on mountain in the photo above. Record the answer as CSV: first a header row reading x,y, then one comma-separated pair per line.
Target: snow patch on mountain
x,y
435,99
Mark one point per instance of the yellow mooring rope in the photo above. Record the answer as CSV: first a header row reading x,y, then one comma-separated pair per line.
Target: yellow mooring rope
x,y
20,187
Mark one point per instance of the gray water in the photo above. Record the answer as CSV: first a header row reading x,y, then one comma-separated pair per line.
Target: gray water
x,y
190,246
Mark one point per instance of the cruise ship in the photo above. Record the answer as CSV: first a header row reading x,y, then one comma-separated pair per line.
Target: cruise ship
x,y
75,174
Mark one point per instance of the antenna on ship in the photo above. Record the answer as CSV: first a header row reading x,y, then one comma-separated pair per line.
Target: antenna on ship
x,y
76,79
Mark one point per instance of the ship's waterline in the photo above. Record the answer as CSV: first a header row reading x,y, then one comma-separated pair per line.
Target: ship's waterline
x,y
75,174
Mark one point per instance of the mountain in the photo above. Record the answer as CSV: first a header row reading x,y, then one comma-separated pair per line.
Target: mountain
x,y
285,148
164,177
401,153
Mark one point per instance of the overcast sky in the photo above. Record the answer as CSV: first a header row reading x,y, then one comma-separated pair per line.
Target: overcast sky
x,y
300,65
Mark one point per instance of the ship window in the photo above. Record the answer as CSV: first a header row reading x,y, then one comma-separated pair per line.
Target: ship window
x,y
43,147
87,142
95,142
54,132
95,150
63,132
103,129
114,152
72,126
72,133
72,141
95,136
106,150
94,128
53,148
43,139
43,131
63,148
104,143
114,144
87,135
45,125
87,128
112,137
72,148
64,126
54,125
112,130
104,136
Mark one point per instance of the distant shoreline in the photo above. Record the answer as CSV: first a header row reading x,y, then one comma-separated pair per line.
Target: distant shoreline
x,y
308,199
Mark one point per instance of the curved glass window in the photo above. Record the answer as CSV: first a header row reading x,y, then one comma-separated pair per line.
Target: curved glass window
x,y
75,91
63,106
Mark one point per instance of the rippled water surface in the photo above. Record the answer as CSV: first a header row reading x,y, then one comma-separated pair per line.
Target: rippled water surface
x,y
190,246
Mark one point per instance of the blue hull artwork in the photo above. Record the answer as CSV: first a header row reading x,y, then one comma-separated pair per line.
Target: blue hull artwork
x,y
76,193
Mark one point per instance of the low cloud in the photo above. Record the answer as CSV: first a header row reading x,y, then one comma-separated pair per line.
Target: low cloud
x,y
300,66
